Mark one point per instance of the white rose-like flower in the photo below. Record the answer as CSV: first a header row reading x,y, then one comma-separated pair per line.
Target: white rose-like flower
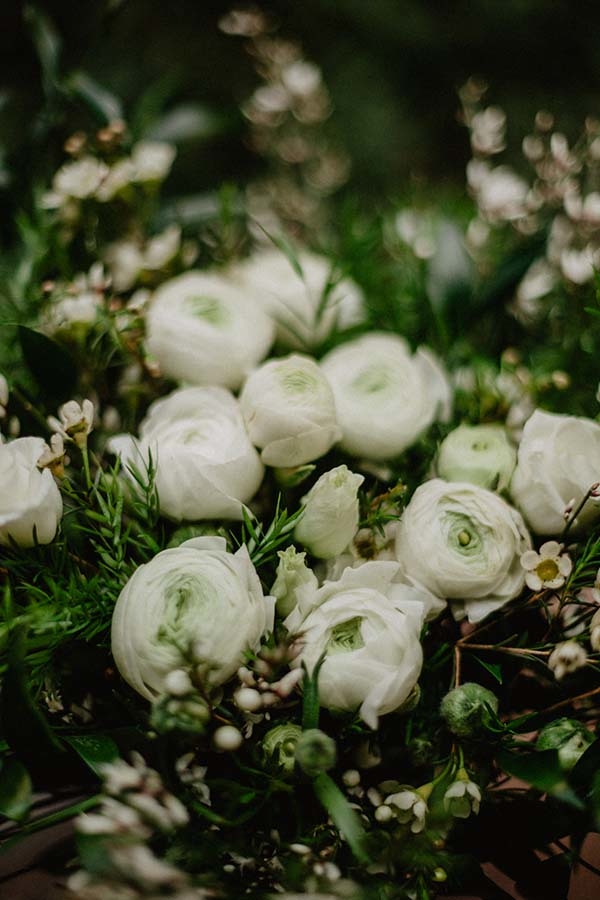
x,y
369,628
558,461
479,454
196,598
206,467
464,543
289,411
330,516
304,314
385,397
30,502
202,329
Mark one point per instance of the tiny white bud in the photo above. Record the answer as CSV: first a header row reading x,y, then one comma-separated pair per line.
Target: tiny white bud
x,y
178,683
227,738
248,699
384,814
374,797
351,778
300,849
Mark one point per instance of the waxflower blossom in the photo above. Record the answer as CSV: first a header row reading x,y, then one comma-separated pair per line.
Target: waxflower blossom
x,y
547,569
462,797
75,421
410,807
566,658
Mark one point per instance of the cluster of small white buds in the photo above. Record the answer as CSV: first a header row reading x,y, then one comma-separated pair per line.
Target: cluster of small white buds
x,y
135,803
566,658
256,693
75,421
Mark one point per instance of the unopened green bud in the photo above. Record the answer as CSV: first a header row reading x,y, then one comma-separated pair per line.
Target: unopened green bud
x,y
189,714
279,746
187,532
569,737
315,752
469,709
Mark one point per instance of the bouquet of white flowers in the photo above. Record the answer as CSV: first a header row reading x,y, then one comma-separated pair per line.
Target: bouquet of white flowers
x,y
294,570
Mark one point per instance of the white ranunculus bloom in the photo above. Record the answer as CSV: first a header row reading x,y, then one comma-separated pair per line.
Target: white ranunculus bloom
x,y
30,502
385,397
464,543
369,628
557,463
330,516
202,329
479,454
289,411
196,599
303,314
206,467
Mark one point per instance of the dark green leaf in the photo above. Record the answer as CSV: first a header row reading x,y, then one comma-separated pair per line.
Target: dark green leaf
x,y
310,696
583,773
94,749
344,817
47,43
541,769
15,790
50,365
493,668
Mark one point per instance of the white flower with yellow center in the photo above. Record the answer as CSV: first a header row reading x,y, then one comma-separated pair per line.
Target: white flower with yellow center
x,y
409,807
547,569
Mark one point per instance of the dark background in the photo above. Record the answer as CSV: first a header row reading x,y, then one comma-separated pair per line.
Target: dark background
x,y
392,66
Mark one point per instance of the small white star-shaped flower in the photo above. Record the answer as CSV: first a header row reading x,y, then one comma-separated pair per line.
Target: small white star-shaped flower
x,y
547,569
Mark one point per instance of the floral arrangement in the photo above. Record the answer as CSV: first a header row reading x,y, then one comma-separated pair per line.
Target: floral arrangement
x,y
299,554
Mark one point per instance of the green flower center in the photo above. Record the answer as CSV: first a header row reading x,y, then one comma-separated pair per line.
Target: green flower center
x,y
298,382
372,380
345,637
208,308
547,569
462,535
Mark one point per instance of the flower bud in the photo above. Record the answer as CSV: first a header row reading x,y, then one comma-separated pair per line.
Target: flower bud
x,y
478,454
330,517
469,709
292,573
595,631
279,746
227,738
315,752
